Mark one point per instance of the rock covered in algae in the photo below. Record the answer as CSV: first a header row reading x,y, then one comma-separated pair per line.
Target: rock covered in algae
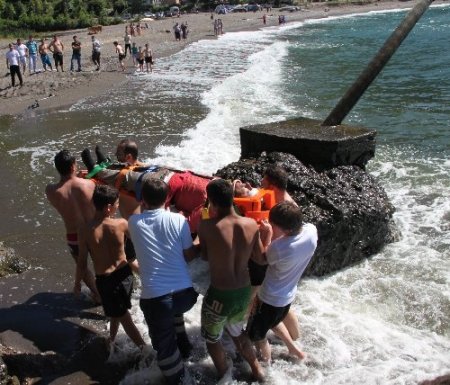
x,y
351,210
10,263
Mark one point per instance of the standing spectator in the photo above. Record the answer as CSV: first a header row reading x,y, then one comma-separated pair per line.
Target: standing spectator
x,y
264,19
32,53
134,53
76,53
177,31
96,48
184,30
23,54
216,27
138,29
140,59
220,27
127,41
163,244
56,47
132,30
43,51
148,57
12,62
119,50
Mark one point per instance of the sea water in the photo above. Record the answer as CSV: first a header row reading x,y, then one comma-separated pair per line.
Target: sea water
x,y
383,321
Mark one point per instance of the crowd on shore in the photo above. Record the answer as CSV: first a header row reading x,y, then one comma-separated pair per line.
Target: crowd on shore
x,y
168,218
22,56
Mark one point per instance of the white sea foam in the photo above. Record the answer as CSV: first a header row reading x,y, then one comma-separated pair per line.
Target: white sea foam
x,y
247,97
385,320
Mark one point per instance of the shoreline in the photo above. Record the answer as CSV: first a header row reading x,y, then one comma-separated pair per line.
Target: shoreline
x,y
66,95
53,90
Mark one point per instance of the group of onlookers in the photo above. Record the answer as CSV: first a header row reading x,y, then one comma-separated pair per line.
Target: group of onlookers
x,y
164,244
21,56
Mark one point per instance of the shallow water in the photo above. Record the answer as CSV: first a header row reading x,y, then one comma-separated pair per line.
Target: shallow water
x,y
385,320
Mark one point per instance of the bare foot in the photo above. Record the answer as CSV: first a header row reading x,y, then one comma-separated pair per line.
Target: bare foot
x,y
297,353
258,373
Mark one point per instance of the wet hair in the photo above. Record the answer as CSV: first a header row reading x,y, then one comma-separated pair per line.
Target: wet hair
x,y
116,43
64,161
287,216
104,195
154,192
129,146
220,193
75,37
277,176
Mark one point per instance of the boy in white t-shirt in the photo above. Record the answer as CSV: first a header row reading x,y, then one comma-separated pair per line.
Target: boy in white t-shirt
x,y
292,247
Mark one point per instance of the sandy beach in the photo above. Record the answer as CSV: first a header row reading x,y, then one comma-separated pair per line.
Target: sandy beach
x,y
76,325
56,89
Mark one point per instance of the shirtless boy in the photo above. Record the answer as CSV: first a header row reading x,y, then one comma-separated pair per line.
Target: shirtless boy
x,y
122,55
276,178
72,198
227,241
287,256
104,238
56,47
43,51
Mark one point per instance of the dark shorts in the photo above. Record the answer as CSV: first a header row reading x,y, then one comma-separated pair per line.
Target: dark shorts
x,y
129,250
72,243
256,272
58,58
122,56
140,61
149,59
264,317
96,56
115,291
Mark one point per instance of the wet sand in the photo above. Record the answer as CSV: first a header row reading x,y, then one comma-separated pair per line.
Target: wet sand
x,y
44,331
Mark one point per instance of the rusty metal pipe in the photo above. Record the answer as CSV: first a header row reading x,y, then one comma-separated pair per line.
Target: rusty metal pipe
x,y
364,80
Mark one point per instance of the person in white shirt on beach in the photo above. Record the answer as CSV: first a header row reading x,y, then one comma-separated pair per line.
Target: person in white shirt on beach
x,y
12,62
23,53
292,247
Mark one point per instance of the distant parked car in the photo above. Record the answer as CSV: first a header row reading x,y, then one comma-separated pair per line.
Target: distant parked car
x,y
149,14
253,7
221,9
239,8
126,16
289,8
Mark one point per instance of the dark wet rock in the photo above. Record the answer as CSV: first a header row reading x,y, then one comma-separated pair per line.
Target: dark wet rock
x,y
351,210
10,263
442,380
90,358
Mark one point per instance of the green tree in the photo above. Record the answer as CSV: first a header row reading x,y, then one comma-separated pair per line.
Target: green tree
x,y
96,7
9,12
21,9
36,7
135,6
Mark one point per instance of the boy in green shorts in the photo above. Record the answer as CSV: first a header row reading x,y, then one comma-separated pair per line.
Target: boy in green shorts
x,y
228,241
